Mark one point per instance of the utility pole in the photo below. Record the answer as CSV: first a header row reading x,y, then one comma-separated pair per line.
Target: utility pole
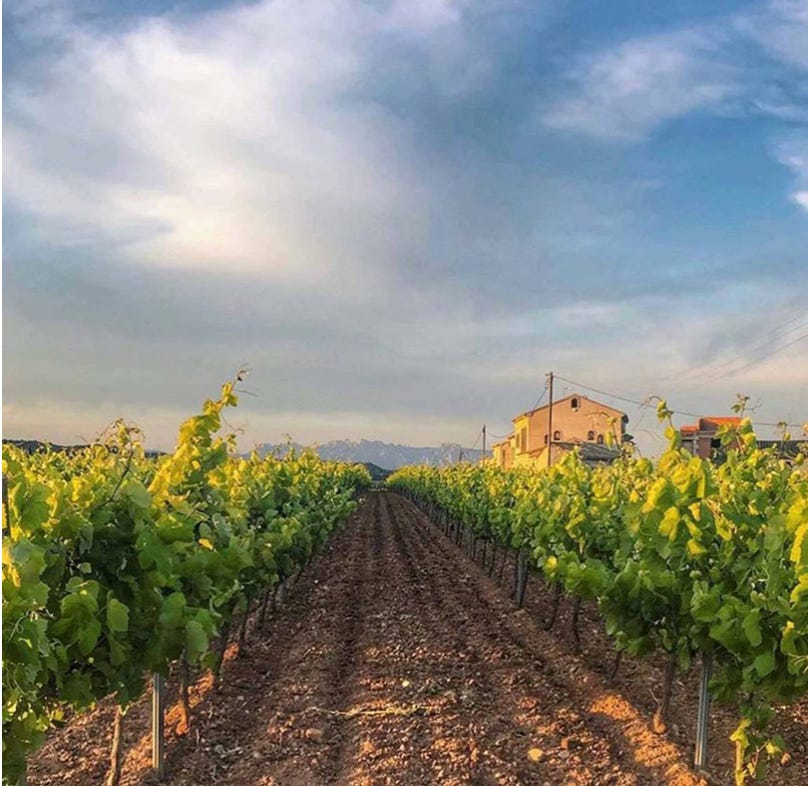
x,y
550,420
483,442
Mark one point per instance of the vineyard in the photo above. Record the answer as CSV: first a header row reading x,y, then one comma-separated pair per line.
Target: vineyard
x,y
116,566
685,560
468,625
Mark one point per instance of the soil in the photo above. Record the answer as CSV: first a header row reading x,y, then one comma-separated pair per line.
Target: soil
x,y
395,659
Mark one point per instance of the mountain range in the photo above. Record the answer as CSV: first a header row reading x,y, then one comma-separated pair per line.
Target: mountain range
x,y
387,455
384,455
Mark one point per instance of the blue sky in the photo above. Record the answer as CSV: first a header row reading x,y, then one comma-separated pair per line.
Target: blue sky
x,y
400,215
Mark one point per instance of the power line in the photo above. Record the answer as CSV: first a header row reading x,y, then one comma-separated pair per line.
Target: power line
x,y
535,406
539,399
646,402
771,354
731,372
638,403
605,393
771,338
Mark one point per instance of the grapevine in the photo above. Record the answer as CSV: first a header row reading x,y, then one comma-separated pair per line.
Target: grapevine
x,y
683,557
116,565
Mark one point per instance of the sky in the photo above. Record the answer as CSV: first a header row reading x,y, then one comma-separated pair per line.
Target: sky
x,y
400,214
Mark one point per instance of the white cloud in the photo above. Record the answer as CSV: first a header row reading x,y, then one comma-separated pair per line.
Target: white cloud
x,y
240,185
792,152
625,93
782,28
237,141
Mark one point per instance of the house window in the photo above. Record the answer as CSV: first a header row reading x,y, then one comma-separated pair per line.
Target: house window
x,y
545,439
556,435
600,439
590,435
523,440
575,404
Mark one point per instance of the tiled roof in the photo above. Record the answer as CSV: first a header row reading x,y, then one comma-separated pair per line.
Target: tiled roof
x,y
721,421
709,424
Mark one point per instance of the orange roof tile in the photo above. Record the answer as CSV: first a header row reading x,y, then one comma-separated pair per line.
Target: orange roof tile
x,y
704,424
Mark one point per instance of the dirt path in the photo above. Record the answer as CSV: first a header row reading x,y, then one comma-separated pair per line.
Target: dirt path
x,y
394,661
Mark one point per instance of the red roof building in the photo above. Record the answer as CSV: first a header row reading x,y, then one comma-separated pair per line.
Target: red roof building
x,y
700,438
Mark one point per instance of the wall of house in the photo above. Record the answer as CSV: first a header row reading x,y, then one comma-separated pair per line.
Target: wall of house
x,y
527,445
700,441
503,453
507,453
572,424
705,445
538,458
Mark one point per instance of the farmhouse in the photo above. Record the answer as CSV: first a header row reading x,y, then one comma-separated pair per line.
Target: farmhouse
x,y
577,422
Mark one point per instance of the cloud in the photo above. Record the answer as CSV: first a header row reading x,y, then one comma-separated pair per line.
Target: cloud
x,y
781,28
220,144
624,93
252,140
354,199
792,152
211,145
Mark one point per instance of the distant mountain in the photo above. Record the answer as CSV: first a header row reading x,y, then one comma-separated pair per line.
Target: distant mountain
x,y
385,455
377,473
380,457
34,445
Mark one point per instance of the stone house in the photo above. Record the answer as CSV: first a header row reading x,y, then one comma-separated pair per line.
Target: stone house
x,y
578,421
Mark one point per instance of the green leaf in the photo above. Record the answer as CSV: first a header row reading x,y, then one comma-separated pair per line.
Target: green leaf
x,y
196,641
28,560
31,504
705,605
117,616
88,637
751,627
117,653
172,612
724,633
764,664
138,495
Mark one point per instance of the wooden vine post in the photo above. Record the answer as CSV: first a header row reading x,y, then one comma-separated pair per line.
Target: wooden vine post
x,y
522,561
158,723
185,686
116,753
660,719
703,717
